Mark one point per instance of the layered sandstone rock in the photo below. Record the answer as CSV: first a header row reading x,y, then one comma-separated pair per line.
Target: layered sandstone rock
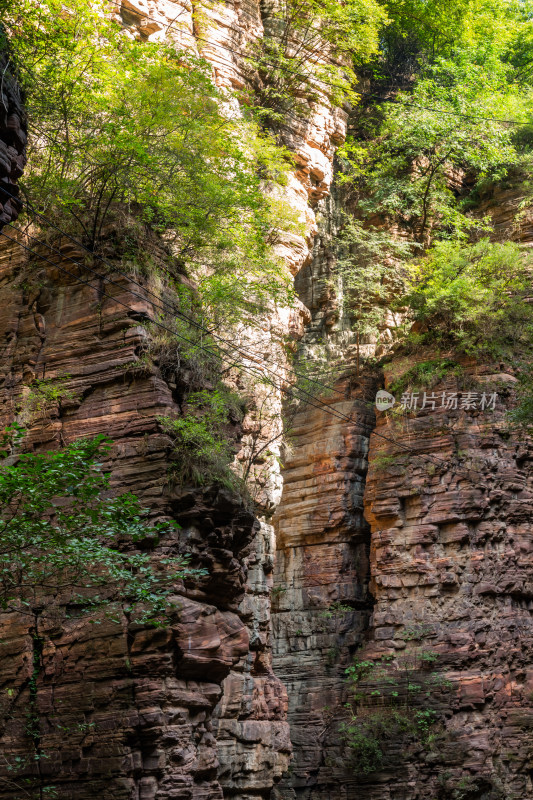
x,y
198,710
449,559
451,555
223,33
321,603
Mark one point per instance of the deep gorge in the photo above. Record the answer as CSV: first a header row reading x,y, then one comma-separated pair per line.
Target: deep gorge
x,y
373,536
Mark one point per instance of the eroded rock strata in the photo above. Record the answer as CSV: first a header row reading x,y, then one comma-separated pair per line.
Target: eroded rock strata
x,y
321,604
195,711
451,555
227,702
124,711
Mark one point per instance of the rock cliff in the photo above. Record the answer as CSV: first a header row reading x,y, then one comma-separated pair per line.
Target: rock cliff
x,y
321,603
450,522
125,711
195,711
447,497
242,696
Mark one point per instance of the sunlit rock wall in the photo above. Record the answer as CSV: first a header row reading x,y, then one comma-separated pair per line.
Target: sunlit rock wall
x,y
222,33
198,711
451,556
321,604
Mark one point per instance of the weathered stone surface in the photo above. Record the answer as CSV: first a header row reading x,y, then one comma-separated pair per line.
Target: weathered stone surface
x,y
126,711
321,563
57,328
199,710
451,554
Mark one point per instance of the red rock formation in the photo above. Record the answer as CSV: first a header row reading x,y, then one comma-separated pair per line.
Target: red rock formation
x,y
451,553
196,711
122,711
148,693
320,602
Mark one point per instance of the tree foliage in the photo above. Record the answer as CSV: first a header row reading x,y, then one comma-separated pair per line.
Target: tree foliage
x,y
448,77
122,130
309,54
203,444
65,542
476,298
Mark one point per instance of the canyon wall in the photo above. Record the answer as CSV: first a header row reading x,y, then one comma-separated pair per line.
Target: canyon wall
x,y
242,697
321,603
451,557
118,710
447,498
124,710
449,501
222,36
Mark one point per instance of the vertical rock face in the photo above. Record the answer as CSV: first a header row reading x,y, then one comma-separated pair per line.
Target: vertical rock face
x,y
196,711
202,710
451,554
448,500
123,711
321,602
249,717
12,137
251,730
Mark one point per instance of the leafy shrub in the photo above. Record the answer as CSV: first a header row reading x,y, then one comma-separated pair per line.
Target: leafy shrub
x,y
382,462
43,394
203,447
63,537
475,297
369,736
388,704
425,374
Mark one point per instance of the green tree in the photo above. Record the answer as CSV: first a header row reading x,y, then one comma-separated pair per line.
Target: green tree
x,y
408,163
428,141
310,52
433,24
126,132
413,168
64,542
475,298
